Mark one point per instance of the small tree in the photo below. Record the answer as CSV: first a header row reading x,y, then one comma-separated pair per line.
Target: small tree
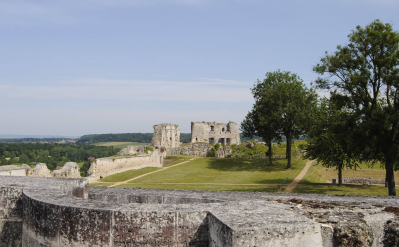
x,y
329,138
253,126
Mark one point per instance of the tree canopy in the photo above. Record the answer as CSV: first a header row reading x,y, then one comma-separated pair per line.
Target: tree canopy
x,y
330,141
283,106
365,75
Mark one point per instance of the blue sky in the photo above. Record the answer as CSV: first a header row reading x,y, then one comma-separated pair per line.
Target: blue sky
x,y
77,67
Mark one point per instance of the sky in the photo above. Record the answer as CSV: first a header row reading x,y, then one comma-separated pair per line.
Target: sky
x,y
76,67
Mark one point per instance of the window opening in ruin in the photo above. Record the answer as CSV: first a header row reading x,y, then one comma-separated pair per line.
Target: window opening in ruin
x,y
211,140
228,141
212,128
222,129
171,138
228,128
196,139
221,141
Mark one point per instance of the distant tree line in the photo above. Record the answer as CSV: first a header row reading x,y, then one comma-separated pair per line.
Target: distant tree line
x,y
32,140
52,154
125,137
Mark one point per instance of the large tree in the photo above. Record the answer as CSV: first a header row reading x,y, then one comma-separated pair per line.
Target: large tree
x,y
365,74
283,103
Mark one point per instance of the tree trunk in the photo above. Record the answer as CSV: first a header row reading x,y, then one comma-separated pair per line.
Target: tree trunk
x,y
390,176
340,174
288,151
270,153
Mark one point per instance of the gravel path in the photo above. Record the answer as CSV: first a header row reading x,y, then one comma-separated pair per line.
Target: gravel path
x,y
291,186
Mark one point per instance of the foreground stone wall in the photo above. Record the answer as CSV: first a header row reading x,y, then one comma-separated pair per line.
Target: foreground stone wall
x,y
104,167
59,212
10,216
12,191
212,132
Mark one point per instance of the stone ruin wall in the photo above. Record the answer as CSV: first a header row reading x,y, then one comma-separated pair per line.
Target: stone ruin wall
x,y
104,167
69,170
200,150
131,149
65,212
166,135
212,132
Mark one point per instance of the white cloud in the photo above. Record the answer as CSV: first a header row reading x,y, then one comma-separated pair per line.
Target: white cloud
x,y
201,91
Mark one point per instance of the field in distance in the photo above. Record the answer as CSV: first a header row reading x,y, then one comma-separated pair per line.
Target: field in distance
x,y
120,144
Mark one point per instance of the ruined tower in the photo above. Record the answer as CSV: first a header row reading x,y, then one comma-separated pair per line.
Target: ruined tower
x,y
166,135
212,132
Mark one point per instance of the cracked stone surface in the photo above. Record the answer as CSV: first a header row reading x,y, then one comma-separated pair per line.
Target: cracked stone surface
x,y
65,212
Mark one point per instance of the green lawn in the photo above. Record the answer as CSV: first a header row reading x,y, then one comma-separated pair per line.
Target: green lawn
x,y
213,174
175,159
254,175
347,189
123,176
318,180
120,144
230,171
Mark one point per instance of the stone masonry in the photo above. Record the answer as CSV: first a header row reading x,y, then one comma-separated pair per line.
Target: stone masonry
x,y
65,212
69,170
212,132
166,135
199,149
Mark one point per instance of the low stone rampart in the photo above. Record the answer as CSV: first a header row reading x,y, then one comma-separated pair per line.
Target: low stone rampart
x,y
131,149
40,170
199,149
104,167
69,170
12,170
365,181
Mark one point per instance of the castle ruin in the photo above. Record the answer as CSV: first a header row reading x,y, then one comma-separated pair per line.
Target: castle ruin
x,y
166,135
212,132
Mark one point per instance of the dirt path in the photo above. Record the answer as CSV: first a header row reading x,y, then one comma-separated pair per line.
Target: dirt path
x,y
291,186
162,169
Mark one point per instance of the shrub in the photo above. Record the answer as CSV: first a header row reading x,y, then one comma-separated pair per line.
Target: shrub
x,y
212,152
148,149
217,146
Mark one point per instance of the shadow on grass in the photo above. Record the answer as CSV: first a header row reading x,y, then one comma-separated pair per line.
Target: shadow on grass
x,y
235,164
348,189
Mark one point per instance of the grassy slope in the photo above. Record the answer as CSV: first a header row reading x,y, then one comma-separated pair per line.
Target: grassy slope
x,y
123,176
220,174
231,171
120,144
